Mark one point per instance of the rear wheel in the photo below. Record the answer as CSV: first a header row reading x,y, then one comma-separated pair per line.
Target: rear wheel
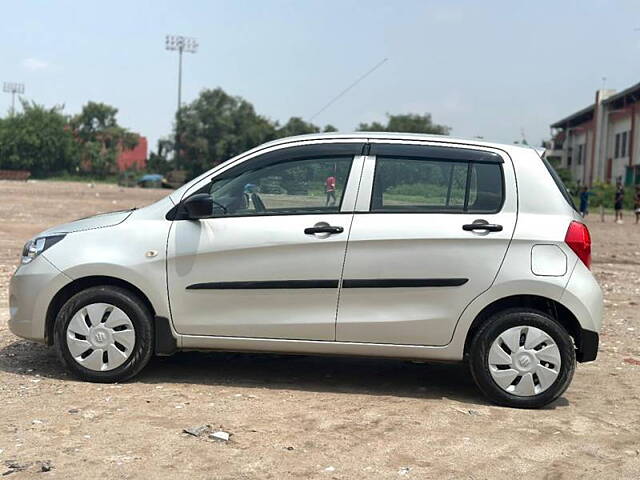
x,y
104,334
522,358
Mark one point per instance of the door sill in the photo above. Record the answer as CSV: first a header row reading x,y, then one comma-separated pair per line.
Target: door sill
x,y
322,347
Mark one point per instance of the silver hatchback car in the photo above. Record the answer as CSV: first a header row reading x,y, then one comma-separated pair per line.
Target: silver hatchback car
x,y
386,245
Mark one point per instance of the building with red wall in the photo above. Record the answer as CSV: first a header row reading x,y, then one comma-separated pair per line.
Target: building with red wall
x,y
135,159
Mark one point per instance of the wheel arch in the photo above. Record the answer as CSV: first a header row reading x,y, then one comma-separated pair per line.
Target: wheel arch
x,y
77,285
555,309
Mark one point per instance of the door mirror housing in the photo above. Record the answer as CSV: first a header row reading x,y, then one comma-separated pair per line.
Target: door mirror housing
x,y
199,206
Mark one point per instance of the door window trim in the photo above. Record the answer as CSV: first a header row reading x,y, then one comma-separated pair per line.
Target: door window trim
x,y
452,153
352,150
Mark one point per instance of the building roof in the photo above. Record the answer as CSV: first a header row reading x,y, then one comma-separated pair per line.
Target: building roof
x,y
581,116
618,100
628,95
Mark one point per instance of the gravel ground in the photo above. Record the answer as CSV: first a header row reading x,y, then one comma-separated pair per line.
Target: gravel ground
x,y
306,417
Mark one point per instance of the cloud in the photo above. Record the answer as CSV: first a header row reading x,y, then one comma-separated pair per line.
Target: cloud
x,y
35,64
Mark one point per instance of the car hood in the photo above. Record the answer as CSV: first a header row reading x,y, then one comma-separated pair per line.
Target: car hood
x,y
89,223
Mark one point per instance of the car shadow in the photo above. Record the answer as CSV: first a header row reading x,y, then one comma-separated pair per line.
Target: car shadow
x,y
348,375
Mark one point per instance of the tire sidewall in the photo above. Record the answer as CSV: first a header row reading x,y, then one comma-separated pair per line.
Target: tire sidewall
x,y
513,318
129,304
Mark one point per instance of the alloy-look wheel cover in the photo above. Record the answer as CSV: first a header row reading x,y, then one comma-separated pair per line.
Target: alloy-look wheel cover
x,y
524,361
100,337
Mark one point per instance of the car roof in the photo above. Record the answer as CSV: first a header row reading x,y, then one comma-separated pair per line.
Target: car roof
x,y
397,136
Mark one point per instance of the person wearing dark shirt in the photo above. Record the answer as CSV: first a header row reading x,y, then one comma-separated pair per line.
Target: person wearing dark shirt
x,y
618,201
584,201
636,203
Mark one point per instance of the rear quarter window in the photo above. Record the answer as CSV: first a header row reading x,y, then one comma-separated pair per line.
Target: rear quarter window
x,y
559,183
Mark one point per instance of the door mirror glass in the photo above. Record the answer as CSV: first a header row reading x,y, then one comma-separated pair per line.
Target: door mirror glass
x,y
199,206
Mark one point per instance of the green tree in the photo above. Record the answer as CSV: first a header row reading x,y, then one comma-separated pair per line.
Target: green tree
x,y
100,137
39,140
296,126
406,123
158,161
217,126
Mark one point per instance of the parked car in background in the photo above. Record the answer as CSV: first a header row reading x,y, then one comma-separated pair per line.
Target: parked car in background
x,y
386,245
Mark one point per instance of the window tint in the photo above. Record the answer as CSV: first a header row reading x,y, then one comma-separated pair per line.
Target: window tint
x,y
424,185
284,188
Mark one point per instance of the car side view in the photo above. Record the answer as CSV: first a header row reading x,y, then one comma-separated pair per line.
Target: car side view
x,y
385,245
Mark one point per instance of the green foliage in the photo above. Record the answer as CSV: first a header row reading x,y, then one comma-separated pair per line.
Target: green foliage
x,y
217,126
406,123
158,162
296,126
604,194
100,137
37,139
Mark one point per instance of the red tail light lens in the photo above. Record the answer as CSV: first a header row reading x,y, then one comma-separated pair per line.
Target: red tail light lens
x,y
579,240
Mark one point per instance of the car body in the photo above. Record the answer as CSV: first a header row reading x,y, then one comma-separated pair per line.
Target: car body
x,y
371,244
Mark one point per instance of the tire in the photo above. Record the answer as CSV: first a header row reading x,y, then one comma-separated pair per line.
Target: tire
x,y
534,358
125,331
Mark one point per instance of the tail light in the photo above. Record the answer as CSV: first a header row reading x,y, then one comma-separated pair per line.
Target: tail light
x,y
579,240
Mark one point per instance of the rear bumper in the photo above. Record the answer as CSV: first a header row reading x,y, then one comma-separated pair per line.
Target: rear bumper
x,y
587,346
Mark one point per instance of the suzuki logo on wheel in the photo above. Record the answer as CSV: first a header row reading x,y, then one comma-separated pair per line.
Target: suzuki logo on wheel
x,y
100,337
525,361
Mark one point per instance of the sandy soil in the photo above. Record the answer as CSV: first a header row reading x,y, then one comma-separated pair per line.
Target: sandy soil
x,y
305,417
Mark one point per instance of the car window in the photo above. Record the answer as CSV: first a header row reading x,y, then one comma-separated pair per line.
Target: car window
x,y
427,186
297,186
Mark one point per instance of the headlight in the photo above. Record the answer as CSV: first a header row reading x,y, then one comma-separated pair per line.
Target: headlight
x,y
36,246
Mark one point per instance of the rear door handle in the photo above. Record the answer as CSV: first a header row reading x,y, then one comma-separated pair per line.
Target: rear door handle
x,y
323,229
482,225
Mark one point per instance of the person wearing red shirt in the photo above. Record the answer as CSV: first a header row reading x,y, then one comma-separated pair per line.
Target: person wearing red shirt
x,y
330,189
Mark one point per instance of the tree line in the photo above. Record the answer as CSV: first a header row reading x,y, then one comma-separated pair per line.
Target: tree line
x,y
212,128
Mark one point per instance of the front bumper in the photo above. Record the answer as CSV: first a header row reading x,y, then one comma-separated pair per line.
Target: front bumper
x,y
31,290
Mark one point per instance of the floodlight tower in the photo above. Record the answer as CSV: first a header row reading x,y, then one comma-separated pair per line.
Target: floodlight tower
x,y
13,88
180,44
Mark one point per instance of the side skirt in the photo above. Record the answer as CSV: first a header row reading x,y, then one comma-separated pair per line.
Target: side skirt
x,y
308,347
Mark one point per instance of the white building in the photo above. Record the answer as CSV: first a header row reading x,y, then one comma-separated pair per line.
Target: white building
x,y
601,143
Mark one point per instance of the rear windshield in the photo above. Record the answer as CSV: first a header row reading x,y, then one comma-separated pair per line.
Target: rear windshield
x,y
561,186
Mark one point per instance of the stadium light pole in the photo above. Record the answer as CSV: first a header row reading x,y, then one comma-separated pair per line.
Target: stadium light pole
x,y
13,88
180,44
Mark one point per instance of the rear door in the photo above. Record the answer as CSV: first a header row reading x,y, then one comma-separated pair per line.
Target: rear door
x,y
431,228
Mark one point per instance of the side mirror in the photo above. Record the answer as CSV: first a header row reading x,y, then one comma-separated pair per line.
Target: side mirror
x,y
199,206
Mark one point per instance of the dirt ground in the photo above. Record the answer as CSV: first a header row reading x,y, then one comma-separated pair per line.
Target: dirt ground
x,y
306,417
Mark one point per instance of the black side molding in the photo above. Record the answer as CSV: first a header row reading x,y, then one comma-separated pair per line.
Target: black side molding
x,y
403,282
165,342
265,285
349,283
588,346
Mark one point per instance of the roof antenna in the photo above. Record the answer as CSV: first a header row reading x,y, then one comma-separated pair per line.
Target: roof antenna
x,y
343,92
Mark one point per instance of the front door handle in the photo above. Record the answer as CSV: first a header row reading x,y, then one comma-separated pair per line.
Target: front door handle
x,y
482,225
323,229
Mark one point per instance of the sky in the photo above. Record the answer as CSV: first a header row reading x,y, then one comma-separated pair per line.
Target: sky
x,y
487,68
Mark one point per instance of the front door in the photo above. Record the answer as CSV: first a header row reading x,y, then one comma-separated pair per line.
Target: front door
x,y
267,264
431,228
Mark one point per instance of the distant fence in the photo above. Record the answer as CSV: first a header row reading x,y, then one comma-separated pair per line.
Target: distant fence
x,y
14,174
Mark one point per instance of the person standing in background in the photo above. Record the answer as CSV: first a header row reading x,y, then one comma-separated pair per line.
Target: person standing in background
x,y
636,203
330,189
584,201
618,202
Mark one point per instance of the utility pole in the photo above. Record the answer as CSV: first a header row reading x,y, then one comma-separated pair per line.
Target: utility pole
x,y
180,44
13,88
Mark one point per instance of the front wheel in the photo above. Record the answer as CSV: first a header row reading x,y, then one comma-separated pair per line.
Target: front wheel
x,y
104,334
522,358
